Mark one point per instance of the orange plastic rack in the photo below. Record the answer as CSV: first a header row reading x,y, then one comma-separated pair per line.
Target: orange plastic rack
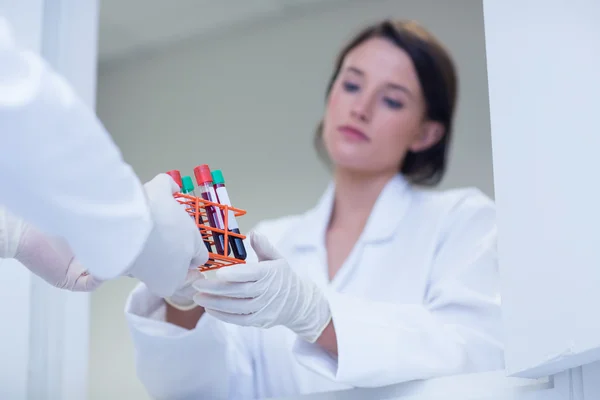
x,y
196,207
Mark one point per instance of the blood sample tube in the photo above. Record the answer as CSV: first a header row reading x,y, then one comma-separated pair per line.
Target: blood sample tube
x,y
188,188
176,175
236,243
215,218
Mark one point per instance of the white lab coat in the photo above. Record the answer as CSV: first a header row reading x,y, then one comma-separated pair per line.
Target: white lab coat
x,y
59,168
418,297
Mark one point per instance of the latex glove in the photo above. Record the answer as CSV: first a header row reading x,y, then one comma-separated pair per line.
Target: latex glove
x,y
183,298
265,294
46,256
174,245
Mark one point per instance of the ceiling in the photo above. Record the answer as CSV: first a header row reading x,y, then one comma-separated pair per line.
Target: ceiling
x,y
129,26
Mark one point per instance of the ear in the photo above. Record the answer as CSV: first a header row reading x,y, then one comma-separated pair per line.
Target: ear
x,y
431,133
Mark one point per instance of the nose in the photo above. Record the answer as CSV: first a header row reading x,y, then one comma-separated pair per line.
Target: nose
x,y
362,109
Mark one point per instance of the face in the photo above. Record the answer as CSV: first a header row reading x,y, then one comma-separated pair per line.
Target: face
x,y
376,111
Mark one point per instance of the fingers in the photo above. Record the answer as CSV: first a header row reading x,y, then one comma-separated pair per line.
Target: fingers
x,y
263,248
250,272
198,251
164,180
193,276
187,290
173,180
200,256
244,290
229,305
237,319
85,283
174,186
161,184
77,279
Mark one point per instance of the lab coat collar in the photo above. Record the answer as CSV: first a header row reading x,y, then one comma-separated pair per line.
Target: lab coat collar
x,y
385,217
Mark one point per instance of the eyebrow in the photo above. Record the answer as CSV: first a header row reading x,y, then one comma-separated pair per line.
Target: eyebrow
x,y
390,85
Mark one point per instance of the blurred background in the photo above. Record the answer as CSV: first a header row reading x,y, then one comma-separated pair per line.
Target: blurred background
x,y
239,85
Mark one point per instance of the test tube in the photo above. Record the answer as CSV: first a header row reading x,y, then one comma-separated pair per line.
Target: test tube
x,y
176,175
188,188
236,243
207,191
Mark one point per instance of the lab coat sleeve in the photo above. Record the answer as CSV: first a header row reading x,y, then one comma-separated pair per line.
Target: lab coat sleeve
x,y
211,361
456,330
61,171
11,230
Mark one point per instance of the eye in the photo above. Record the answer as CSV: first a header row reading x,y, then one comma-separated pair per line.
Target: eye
x,y
350,87
391,103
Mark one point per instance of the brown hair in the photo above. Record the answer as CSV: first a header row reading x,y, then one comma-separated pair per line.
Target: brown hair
x,y
437,76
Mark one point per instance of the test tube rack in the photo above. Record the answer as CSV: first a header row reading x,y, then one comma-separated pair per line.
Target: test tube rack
x,y
196,207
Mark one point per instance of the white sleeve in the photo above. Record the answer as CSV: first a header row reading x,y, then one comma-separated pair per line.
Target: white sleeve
x,y
211,361
61,171
11,229
457,329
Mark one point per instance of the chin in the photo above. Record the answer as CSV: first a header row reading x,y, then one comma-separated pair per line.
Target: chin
x,y
347,158
354,164
352,157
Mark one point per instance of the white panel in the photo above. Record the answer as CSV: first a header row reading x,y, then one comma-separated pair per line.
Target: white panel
x,y
25,17
14,336
543,58
591,381
60,320
73,50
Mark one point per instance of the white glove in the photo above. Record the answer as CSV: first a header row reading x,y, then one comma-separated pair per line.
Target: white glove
x,y
183,298
265,294
174,245
46,256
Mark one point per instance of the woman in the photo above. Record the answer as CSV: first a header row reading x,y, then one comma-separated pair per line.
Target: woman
x,y
380,283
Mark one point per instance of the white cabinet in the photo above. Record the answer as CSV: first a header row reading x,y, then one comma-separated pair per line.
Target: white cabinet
x,y
543,69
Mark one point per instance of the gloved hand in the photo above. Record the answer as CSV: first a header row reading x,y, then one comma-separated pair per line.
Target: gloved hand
x,y
46,256
183,298
265,294
174,245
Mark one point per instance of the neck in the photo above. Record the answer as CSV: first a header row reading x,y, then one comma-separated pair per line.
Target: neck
x,y
355,196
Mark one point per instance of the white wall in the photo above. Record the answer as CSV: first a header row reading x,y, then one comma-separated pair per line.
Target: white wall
x,y
229,100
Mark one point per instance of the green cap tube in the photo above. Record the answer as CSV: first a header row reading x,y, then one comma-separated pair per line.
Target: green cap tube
x,y
217,177
187,184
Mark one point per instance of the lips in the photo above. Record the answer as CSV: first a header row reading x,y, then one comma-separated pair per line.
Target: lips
x,y
351,132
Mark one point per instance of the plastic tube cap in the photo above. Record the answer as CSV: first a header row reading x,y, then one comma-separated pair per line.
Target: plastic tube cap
x,y
176,175
188,184
217,177
202,174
